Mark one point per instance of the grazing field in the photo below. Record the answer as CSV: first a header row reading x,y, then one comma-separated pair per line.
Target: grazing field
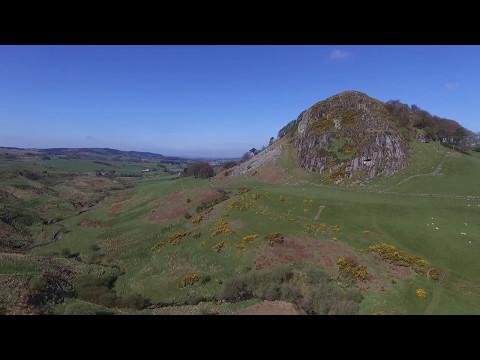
x,y
406,244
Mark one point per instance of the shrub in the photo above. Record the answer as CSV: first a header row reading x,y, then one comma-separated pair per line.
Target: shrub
x,y
246,157
66,252
188,216
206,279
18,218
136,301
189,279
421,293
400,258
38,283
218,247
31,175
275,238
229,164
304,285
94,247
349,267
96,290
199,170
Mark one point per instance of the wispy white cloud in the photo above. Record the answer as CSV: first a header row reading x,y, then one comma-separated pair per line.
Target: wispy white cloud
x,y
338,54
451,85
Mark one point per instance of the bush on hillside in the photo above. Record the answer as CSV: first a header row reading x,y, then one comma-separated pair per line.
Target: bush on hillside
x,y
246,157
199,170
18,217
229,164
96,290
309,288
136,301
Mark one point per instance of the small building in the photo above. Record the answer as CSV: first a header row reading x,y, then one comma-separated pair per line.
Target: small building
x,y
145,170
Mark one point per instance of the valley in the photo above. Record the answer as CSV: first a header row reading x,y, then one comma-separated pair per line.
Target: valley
x,y
161,244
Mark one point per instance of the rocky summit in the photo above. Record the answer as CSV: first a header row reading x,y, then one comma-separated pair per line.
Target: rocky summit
x,y
349,134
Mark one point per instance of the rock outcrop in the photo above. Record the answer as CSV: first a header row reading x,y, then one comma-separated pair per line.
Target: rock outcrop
x,y
270,154
349,134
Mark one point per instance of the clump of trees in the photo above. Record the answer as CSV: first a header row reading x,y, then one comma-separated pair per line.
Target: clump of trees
x,y
436,128
246,157
229,164
199,170
99,290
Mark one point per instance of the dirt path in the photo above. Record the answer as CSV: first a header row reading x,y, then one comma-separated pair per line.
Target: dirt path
x,y
320,209
270,308
435,172
428,195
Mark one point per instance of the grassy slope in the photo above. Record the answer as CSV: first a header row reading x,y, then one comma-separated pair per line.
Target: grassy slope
x,y
401,219
397,217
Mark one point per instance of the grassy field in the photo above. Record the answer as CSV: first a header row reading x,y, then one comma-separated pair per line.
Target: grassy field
x,y
181,242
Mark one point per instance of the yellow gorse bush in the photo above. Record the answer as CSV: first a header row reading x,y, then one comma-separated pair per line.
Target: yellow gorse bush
x,y
349,267
246,240
397,257
250,237
197,219
219,246
243,190
189,279
421,293
178,237
175,239
159,246
221,228
275,238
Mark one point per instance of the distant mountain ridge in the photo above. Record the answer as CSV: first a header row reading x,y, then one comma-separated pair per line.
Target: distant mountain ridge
x,y
94,154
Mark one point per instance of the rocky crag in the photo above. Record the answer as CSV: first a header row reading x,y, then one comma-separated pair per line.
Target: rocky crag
x,y
346,136
350,134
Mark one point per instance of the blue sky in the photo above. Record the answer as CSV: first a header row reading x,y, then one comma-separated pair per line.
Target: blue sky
x,y
212,101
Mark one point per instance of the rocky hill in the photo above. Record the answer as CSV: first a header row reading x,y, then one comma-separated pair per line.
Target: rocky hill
x,y
348,134
352,135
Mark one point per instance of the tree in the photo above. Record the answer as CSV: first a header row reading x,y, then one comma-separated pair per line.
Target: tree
x,y
229,164
253,151
246,156
272,140
459,133
200,169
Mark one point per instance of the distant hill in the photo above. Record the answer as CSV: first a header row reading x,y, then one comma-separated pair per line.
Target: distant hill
x,y
91,154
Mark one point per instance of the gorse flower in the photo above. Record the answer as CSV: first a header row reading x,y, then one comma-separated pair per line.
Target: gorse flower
x,y
421,293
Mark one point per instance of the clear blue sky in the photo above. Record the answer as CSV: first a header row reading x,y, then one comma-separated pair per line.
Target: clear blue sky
x,y
214,101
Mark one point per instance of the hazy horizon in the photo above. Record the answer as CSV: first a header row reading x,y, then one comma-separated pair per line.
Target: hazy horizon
x,y
212,101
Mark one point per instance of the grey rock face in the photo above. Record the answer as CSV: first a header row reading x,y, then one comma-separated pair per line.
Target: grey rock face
x,y
270,154
350,133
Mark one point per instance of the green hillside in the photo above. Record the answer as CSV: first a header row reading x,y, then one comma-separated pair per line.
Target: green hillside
x,y
230,244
